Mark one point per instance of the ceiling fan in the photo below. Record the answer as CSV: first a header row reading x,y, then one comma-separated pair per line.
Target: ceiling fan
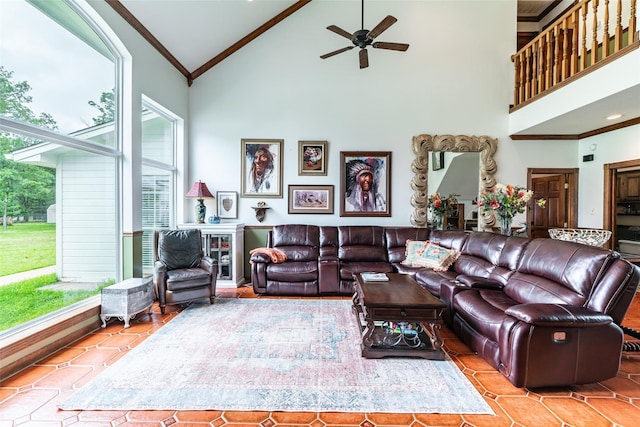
x,y
363,38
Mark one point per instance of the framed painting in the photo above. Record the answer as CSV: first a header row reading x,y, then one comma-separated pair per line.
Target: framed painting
x,y
261,167
312,158
311,199
227,204
437,160
365,180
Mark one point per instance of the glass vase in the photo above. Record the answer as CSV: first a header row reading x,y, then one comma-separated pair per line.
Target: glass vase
x,y
505,225
437,222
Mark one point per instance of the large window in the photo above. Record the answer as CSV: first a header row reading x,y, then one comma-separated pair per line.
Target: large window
x,y
158,175
60,86
48,45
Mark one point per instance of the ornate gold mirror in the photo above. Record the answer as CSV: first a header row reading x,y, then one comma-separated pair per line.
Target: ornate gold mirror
x,y
424,145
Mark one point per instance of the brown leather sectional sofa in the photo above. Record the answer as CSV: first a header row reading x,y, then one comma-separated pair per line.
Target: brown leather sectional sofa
x,y
543,312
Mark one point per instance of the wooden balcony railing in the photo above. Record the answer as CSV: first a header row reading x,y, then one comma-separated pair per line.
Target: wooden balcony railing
x,y
573,44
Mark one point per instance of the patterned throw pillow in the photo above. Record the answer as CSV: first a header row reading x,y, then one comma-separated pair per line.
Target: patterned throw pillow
x,y
413,251
437,257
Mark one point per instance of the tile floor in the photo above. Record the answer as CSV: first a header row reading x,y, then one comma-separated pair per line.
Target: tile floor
x,y
30,397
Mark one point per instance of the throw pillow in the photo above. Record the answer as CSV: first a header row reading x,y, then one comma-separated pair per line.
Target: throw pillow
x,y
413,251
437,257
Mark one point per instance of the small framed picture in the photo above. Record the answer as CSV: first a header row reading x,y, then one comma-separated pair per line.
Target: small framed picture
x,y
365,180
311,199
437,160
227,204
262,167
312,158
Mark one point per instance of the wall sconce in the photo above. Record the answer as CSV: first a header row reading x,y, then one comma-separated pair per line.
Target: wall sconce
x,y
200,191
261,211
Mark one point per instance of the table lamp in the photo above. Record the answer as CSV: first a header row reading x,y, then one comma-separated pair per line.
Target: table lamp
x,y
200,191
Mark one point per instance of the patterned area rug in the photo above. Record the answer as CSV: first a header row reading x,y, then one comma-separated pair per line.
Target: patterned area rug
x,y
273,355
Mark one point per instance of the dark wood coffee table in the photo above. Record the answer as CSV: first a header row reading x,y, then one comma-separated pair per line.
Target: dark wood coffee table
x,y
398,318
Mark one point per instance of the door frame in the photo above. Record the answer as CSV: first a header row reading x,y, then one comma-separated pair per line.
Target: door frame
x,y
610,195
572,192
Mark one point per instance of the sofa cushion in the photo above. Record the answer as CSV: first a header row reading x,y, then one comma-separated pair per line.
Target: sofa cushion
x,y
430,279
555,271
361,244
292,271
413,250
296,235
297,242
187,278
396,238
483,310
485,246
436,257
451,239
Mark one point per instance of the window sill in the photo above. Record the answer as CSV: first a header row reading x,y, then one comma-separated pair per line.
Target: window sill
x,y
25,344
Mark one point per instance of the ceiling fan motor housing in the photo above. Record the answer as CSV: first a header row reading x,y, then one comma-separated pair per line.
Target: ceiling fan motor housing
x,y
360,38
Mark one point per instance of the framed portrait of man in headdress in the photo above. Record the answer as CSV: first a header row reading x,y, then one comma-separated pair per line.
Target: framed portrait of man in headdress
x,y
365,180
262,167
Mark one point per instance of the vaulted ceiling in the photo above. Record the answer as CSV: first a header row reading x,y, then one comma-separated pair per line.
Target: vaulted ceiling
x,y
196,35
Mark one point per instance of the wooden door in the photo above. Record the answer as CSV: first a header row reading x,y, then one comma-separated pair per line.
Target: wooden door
x,y
555,213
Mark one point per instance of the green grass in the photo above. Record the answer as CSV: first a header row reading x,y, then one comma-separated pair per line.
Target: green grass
x,y
24,301
27,246
24,247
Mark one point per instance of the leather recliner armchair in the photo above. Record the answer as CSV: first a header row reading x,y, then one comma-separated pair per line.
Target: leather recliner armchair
x,y
181,273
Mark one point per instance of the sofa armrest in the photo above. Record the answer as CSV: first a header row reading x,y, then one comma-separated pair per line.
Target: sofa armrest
x,y
160,280
558,315
209,264
328,274
259,258
478,282
259,277
449,288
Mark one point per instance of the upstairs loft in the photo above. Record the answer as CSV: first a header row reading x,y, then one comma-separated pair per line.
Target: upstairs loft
x,y
581,69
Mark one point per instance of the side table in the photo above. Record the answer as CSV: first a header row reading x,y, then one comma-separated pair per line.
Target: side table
x,y
127,298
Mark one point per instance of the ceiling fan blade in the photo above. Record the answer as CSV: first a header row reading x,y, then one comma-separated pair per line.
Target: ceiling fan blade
x,y
391,46
335,52
364,58
340,31
382,26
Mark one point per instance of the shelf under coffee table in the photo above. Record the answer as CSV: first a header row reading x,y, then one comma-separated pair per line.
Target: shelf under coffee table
x,y
398,318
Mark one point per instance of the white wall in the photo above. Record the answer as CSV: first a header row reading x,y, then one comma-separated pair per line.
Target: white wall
x,y
612,147
454,79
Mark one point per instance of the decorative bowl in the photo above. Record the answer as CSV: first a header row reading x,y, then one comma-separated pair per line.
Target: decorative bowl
x,y
586,236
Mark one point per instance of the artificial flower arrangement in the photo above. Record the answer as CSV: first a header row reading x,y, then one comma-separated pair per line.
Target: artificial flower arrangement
x,y
507,200
439,205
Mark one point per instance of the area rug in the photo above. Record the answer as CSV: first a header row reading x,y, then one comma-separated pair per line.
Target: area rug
x,y
273,355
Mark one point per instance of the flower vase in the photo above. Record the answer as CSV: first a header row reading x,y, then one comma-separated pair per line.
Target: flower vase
x,y
437,222
505,225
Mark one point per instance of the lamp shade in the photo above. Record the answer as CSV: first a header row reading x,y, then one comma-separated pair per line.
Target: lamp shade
x,y
199,191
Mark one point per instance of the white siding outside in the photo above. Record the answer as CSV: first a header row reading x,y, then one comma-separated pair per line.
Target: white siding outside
x,y
87,235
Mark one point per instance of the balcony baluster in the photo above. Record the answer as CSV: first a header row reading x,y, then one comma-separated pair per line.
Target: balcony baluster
x,y
575,42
